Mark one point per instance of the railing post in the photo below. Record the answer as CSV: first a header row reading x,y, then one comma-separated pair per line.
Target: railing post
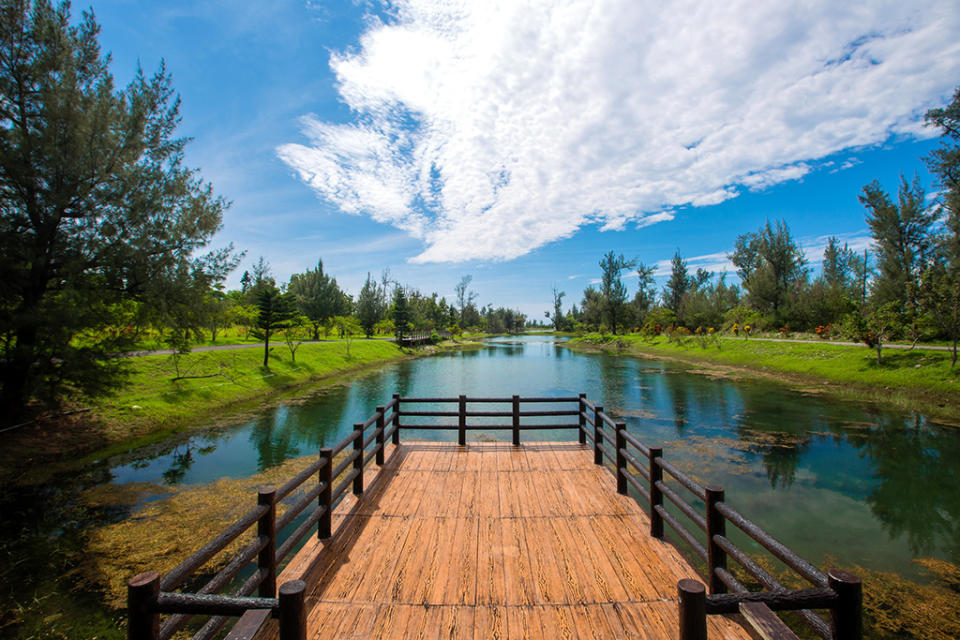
x,y
358,462
293,612
582,433
847,616
621,459
597,434
143,623
462,431
267,528
379,441
325,499
516,421
693,610
716,526
656,496
396,419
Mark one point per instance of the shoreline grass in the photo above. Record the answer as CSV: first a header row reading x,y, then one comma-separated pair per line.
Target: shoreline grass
x,y
915,380
153,405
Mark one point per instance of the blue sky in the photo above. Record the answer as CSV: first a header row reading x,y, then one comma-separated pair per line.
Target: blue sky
x,y
519,141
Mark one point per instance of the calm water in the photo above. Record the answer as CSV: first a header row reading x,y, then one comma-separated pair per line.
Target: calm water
x,y
869,486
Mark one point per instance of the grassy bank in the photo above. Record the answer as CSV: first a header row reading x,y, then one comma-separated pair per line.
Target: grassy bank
x,y
919,380
162,397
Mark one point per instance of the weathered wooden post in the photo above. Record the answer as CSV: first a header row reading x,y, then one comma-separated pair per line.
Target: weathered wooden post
x,y
516,421
597,434
693,610
396,419
621,459
462,431
716,526
325,499
379,441
581,419
656,496
293,610
847,616
143,623
267,558
358,461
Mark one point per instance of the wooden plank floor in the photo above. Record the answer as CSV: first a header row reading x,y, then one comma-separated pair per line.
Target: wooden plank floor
x,y
492,541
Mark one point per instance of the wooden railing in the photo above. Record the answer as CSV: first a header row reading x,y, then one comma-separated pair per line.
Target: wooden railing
x,y
150,595
645,470
422,336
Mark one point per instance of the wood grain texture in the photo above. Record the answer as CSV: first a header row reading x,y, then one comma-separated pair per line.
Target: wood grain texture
x,y
492,541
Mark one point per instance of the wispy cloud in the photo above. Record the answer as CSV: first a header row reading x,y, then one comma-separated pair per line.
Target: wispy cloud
x,y
489,129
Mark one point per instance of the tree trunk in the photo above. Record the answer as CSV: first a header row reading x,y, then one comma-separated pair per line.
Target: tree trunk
x,y
879,346
266,350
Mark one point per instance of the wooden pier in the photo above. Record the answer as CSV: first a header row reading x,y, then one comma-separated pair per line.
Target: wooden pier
x,y
493,541
490,540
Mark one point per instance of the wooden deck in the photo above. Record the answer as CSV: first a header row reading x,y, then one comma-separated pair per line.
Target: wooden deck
x,y
492,541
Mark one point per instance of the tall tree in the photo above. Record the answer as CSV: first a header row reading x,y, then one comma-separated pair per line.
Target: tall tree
x,y
941,293
557,309
646,295
770,265
275,310
371,305
612,290
318,297
400,312
95,203
465,297
678,285
903,238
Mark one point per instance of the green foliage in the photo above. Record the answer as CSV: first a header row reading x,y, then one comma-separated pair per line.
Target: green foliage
x,y
770,265
612,291
371,305
98,207
401,312
275,311
318,297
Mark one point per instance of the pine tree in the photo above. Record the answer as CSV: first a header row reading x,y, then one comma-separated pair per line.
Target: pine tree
x,y
612,290
98,208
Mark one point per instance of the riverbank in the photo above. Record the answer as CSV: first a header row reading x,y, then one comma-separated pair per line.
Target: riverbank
x,y
164,396
914,380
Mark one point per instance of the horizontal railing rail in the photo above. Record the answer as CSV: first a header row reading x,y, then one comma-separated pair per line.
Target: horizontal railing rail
x,y
639,467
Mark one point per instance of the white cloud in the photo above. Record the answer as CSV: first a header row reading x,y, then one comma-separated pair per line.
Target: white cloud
x,y
490,129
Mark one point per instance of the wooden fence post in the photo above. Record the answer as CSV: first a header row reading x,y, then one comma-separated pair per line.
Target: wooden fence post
x,y
597,434
693,610
621,459
267,559
396,419
847,616
656,496
358,461
581,419
293,612
462,431
379,441
143,623
325,499
516,421
716,526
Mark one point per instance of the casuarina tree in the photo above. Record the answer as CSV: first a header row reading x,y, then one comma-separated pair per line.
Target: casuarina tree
x,y
96,206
